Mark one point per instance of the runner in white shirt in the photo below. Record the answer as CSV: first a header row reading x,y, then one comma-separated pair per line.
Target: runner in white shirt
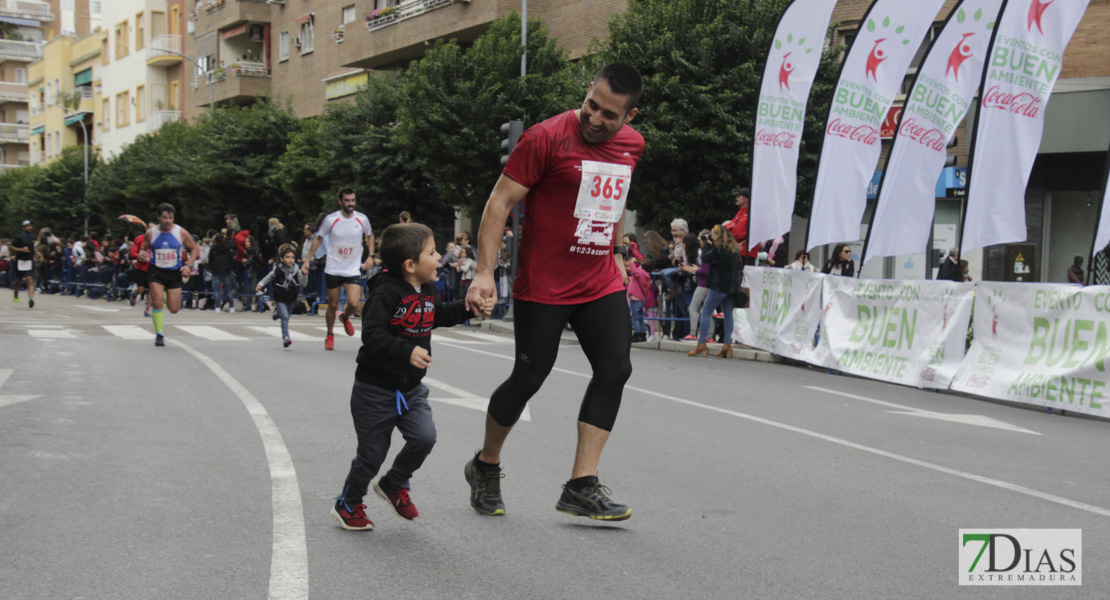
x,y
345,229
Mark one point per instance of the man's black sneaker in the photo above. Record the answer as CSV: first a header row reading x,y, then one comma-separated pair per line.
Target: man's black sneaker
x,y
30,303
485,489
593,502
160,340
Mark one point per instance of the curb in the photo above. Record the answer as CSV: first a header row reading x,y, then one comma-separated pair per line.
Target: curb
x,y
739,352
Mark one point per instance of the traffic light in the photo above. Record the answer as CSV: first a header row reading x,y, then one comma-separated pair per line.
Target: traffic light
x,y
511,130
950,160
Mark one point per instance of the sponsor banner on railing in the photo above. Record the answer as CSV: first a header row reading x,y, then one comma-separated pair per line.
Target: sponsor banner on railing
x,y
907,332
1040,344
784,311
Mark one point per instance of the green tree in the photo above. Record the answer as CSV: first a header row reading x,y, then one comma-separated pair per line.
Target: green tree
x,y
50,196
701,61
453,102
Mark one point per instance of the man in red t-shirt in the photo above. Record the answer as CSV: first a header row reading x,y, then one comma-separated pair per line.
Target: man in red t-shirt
x,y
739,227
141,268
574,169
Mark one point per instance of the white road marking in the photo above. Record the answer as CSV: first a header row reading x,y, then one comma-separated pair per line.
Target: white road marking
x,y
1098,510
289,557
978,420
51,334
210,333
130,332
485,337
275,331
10,400
465,399
99,308
339,328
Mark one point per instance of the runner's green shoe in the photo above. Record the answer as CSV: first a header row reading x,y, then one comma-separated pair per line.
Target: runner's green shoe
x,y
593,502
485,489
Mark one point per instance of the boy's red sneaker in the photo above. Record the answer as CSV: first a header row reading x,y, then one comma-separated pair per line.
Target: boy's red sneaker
x,y
347,325
352,519
329,342
400,501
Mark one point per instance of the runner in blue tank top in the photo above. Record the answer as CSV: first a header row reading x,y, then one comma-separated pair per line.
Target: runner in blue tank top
x,y
163,248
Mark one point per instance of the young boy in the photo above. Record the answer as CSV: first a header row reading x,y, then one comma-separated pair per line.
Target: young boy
x,y
397,322
288,280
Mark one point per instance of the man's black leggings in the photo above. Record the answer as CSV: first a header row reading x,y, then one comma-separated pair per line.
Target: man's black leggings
x,y
604,329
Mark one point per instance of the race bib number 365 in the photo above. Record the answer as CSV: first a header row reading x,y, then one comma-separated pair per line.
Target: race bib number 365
x,y
603,190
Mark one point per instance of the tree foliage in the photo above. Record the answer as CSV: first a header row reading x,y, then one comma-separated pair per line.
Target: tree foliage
x,y
452,104
51,195
702,61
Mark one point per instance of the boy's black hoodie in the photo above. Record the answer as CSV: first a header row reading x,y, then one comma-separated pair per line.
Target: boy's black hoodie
x,y
395,319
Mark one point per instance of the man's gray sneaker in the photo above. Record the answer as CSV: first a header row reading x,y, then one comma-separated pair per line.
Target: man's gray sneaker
x,y
593,502
485,489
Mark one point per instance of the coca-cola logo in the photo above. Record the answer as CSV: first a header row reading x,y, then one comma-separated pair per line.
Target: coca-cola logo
x,y
926,136
781,139
857,133
1023,104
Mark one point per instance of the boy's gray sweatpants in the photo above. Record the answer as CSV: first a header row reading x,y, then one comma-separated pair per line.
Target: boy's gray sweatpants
x,y
375,413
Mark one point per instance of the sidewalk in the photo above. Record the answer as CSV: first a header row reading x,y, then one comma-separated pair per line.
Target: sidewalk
x,y
739,351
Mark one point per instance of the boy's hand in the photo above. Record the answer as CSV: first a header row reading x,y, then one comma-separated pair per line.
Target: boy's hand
x,y
258,288
487,306
420,358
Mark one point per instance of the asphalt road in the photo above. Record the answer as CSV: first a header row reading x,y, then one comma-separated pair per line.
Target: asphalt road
x,y
206,470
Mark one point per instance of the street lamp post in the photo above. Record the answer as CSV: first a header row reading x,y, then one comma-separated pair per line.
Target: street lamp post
x,y
207,72
85,132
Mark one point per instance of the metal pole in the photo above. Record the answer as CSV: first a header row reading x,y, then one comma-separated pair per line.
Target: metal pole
x,y
524,37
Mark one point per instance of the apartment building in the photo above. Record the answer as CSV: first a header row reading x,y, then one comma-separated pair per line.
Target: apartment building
x,y
141,67
62,96
1062,198
22,34
314,52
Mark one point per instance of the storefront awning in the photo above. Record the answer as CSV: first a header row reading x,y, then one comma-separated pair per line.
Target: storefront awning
x,y
38,130
84,77
71,119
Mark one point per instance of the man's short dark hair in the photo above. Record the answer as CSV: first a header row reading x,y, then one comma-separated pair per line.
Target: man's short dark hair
x,y
401,242
164,207
623,79
344,192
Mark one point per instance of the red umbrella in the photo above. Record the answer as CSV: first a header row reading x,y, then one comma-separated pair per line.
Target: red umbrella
x,y
133,220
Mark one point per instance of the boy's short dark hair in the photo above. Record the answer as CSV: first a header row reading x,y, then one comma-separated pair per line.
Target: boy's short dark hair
x,y
623,79
164,207
286,248
401,242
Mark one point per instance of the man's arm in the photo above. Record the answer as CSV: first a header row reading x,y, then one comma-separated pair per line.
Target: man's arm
x,y
618,238
316,241
506,194
366,266
193,248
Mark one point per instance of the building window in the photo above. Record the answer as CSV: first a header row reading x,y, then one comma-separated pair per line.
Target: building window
x,y
175,89
121,40
283,46
21,76
104,51
349,14
57,142
140,30
140,104
307,34
123,102
106,114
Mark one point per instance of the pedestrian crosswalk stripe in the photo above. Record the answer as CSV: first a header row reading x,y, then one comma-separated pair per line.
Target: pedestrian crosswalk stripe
x,y
296,336
338,328
51,334
209,333
129,332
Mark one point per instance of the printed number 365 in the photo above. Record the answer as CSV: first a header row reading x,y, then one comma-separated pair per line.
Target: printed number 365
x,y
607,188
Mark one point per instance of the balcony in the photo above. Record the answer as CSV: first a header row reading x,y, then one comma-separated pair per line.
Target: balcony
x,y
13,92
159,51
239,83
399,36
26,9
23,51
159,118
221,14
5,168
84,95
13,133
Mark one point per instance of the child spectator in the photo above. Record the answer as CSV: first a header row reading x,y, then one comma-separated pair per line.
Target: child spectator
x,y
466,266
397,323
288,281
641,294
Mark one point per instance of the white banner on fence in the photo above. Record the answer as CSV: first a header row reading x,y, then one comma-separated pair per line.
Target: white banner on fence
x,y
907,332
792,63
784,311
1040,344
944,89
1025,61
872,74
